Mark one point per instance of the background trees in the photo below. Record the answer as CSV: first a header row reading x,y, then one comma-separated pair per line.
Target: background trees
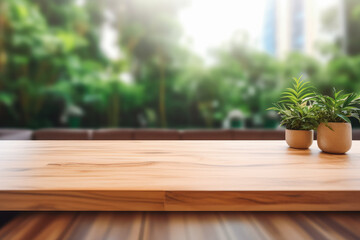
x,y
53,72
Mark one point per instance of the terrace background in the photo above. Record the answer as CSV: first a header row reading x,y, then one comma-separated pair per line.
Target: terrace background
x,y
131,63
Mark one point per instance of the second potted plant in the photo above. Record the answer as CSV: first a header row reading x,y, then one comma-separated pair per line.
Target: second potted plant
x,y
298,114
334,134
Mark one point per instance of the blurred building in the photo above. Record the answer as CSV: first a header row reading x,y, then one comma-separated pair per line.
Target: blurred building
x,y
296,25
269,35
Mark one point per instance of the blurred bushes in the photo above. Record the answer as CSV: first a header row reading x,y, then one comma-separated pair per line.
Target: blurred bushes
x,y
53,73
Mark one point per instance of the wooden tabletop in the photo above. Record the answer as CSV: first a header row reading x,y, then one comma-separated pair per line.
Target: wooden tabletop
x,y
176,175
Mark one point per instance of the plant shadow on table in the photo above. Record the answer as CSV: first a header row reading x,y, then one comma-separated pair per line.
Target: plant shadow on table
x,y
339,159
300,152
322,157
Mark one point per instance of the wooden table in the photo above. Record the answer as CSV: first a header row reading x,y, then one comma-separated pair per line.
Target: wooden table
x,y
176,176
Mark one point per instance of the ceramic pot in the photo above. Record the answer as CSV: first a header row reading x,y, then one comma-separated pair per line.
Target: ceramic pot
x,y
337,140
299,138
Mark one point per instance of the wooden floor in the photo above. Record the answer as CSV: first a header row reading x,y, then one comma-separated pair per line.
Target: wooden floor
x,y
176,176
181,226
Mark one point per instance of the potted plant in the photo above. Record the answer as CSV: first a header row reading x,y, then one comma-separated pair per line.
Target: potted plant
x,y
334,134
297,114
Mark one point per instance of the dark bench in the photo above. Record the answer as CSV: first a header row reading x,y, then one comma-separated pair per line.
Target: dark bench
x,y
147,134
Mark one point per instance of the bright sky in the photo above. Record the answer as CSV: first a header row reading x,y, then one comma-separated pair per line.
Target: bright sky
x,y
209,23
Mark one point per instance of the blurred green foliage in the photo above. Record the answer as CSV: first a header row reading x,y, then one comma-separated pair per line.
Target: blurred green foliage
x,y
53,72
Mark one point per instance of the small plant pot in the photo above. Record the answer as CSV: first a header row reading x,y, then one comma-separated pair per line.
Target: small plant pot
x,y
338,140
301,139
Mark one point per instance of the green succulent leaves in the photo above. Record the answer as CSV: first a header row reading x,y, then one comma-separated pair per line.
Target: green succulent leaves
x,y
296,106
300,92
301,109
338,108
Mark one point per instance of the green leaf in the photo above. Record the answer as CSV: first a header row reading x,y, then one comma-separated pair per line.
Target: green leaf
x,y
292,91
307,95
337,94
349,99
345,118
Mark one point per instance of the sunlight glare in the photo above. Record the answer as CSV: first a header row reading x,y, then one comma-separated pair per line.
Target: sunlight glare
x,y
208,24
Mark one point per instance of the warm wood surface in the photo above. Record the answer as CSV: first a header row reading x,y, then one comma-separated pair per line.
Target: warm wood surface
x,y
183,225
176,175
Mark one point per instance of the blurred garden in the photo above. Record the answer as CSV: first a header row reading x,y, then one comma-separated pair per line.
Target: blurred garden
x,y
53,72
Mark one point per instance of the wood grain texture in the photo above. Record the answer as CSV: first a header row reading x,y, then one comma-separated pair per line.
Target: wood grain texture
x,y
176,175
263,201
60,200
183,225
